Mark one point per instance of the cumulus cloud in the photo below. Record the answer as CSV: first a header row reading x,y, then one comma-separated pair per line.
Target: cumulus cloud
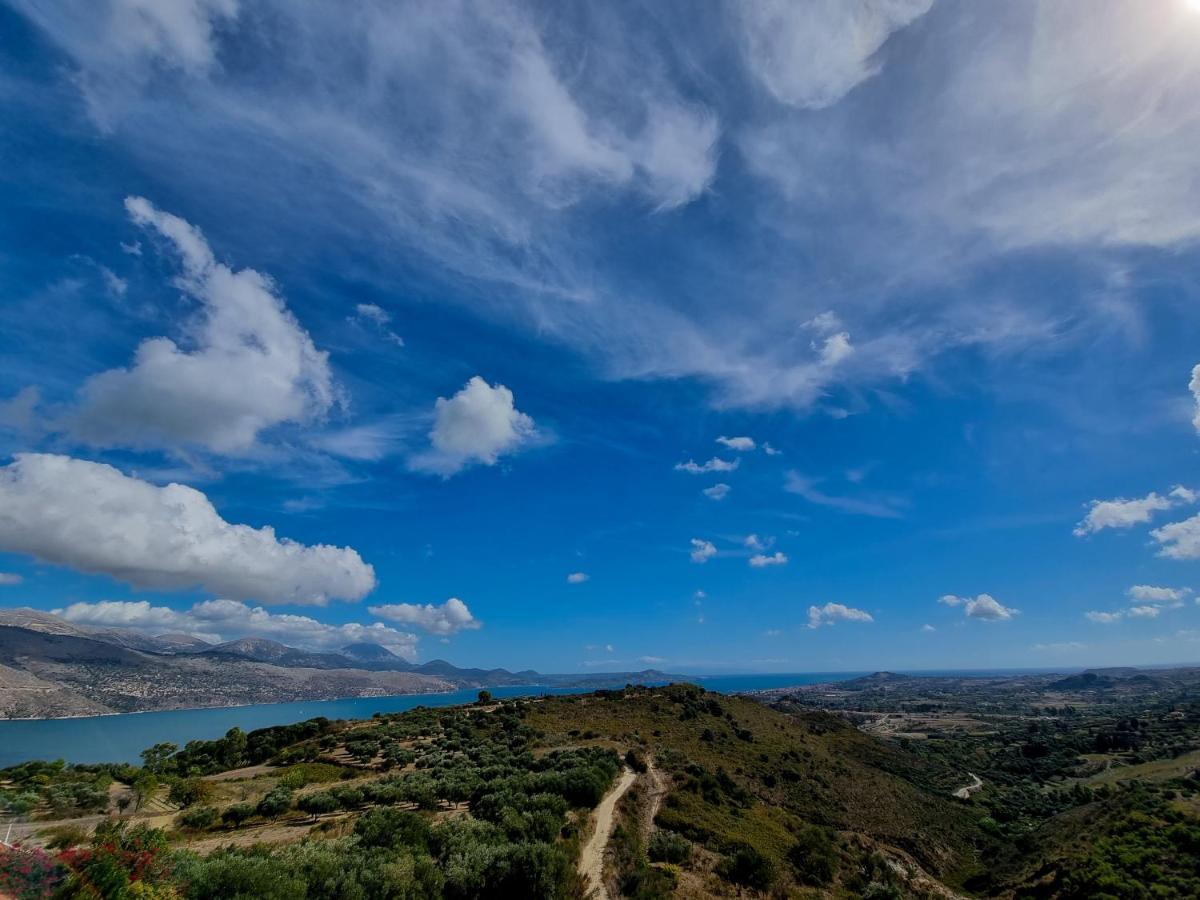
x,y
713,465
1123,513
93,518
702,551
986,607
1179,540
450,618
247,364
577,578
477,425
950,600
811,55
718,491
754,542
1103,618
761,560
1145,612
1148,593
10,578
835,612
739,444
226,620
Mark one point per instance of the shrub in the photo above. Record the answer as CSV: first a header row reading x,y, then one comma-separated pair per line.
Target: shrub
x,y
199,818
814,855
746,866
669,847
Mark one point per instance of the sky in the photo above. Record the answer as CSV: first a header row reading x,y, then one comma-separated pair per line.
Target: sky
x,y
789,336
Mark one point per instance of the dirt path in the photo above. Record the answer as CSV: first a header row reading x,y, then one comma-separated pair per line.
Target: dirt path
x,y
964,793
591,858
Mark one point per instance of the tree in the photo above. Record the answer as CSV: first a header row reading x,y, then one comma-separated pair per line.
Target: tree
x,y
485,697
275,804
318,804
237,814
157,758
199,818
144,788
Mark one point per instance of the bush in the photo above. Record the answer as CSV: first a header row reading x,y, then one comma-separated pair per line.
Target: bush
x,y
746,866
199,818
189,791
669,847
814,855
237,814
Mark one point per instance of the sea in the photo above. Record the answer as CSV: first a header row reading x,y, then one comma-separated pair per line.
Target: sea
x,y
122,737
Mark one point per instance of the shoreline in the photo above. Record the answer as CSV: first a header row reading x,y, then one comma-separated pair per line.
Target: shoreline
x,y
141,712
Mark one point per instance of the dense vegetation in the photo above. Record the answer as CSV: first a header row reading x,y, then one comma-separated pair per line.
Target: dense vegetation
x,y
730,796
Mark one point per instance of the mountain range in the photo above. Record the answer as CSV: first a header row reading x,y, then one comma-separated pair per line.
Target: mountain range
x,y
51,667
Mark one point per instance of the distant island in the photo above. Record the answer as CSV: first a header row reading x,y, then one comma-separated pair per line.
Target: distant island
x,y
52,668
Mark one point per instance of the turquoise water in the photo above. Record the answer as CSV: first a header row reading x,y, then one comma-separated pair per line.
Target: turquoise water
x,y
122,738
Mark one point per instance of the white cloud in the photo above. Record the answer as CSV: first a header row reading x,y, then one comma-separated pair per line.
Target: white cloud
x,y
835,612
1103,618
836,348
986,607
226,620
950,600
796,483
577,578
702,551
771,451
754,542
760,560
772,632
378,318
1179,540
812,54
1194,387
1147,593
928,628
451,617
10,578
717,492
248,364
479,424
713,465
740,444
1123,513
1145,612
92,518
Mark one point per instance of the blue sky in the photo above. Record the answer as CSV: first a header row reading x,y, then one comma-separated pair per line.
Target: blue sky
x,y
380,326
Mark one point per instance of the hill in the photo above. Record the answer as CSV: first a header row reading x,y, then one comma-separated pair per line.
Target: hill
x,y
728,797
52,667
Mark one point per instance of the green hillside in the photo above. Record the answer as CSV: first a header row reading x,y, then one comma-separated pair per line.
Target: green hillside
x,y
650,792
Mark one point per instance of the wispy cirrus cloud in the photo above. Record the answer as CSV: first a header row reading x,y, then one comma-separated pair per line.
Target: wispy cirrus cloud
x,y
796,483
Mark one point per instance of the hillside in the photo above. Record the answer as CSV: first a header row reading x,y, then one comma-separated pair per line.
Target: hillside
x,y
53,674
51,667
725,796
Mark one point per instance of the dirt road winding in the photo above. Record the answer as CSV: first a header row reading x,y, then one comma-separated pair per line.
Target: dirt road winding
x,y
964,793
591,858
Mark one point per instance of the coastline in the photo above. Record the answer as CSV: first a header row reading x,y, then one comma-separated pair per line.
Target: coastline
x,y
140,712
